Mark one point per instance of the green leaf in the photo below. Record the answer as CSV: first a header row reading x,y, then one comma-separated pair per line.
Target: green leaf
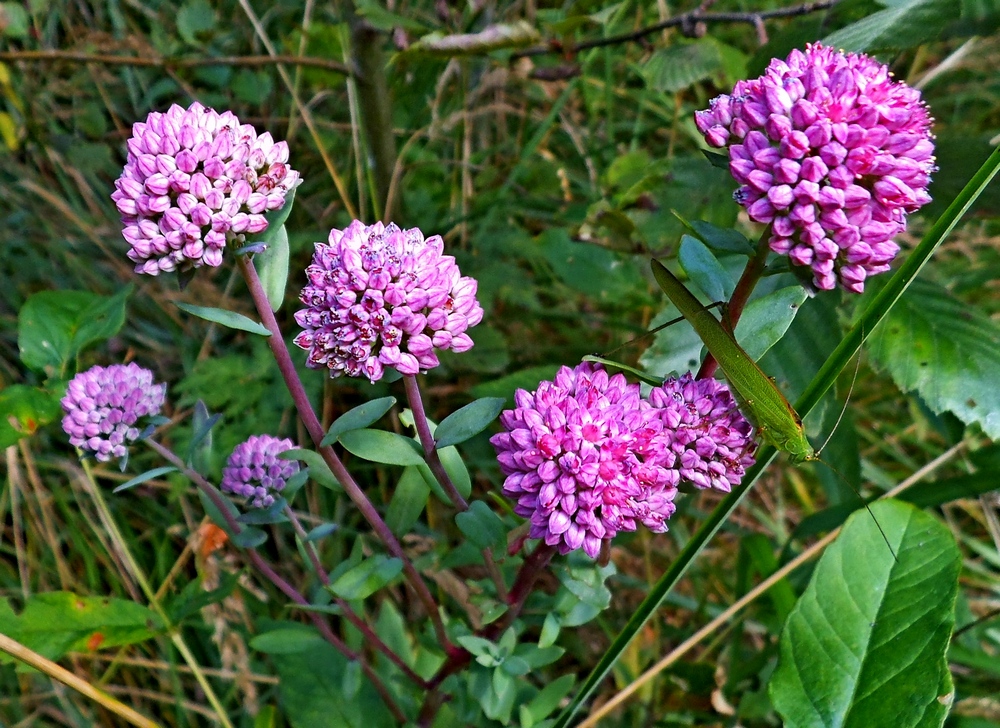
x,y
318,469
705,270
378,446
195,17
310,688
374,12
249,538
23,410
358,418
229,319
482,526
274,513
468,421
905,24
766,319
272,268
866,644
409,499
946,351
14,21
454,465
549,697
144,477
675,349
200,450
55,623
55,326
287,641
678,66
321,531
367,577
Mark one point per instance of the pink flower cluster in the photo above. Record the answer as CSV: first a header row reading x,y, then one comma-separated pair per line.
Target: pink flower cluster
x,y
103,406
255,471
832,153
383,297
194,176
585,456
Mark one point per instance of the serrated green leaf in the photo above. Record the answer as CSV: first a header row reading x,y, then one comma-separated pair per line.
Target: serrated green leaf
x,y
704,269
676,67
229,319
482,526
358,418
144,477
468,421
367,577
906,24
23,410
946,351
272,268
378,446
866,644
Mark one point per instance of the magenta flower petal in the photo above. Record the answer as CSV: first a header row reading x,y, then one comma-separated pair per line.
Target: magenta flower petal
x,y
850,142
255,472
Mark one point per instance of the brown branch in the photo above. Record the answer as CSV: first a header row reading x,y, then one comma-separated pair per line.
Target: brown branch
x,y
685,20
110,59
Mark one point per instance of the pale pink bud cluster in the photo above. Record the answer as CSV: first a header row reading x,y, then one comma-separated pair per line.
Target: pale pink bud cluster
x,y
586,456
255,472
833,153
383,297
193,177
103,406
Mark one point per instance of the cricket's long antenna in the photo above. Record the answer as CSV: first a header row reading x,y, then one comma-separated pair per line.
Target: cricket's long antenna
x,y
669,323
865,503
854,380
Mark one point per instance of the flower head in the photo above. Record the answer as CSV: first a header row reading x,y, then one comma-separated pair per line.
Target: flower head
x,y
383,297
255,471
713,443
573,456
832,153
192,176
103,406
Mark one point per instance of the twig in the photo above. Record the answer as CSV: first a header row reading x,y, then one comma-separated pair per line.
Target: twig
x,y
688,19
110,59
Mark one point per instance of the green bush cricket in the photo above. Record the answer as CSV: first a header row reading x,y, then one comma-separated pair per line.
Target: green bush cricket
x,y
759,398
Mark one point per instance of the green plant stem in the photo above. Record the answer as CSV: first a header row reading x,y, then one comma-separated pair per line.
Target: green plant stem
x,y
349,613
437,467
139,575
315,429
258,562
741,294
824,379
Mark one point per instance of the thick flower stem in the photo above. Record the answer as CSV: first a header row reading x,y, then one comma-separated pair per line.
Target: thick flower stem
x,y
349,614
437,467
741,294
316,433
265,569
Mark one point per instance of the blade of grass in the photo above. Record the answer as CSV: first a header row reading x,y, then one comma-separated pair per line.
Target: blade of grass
x,y
823,380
